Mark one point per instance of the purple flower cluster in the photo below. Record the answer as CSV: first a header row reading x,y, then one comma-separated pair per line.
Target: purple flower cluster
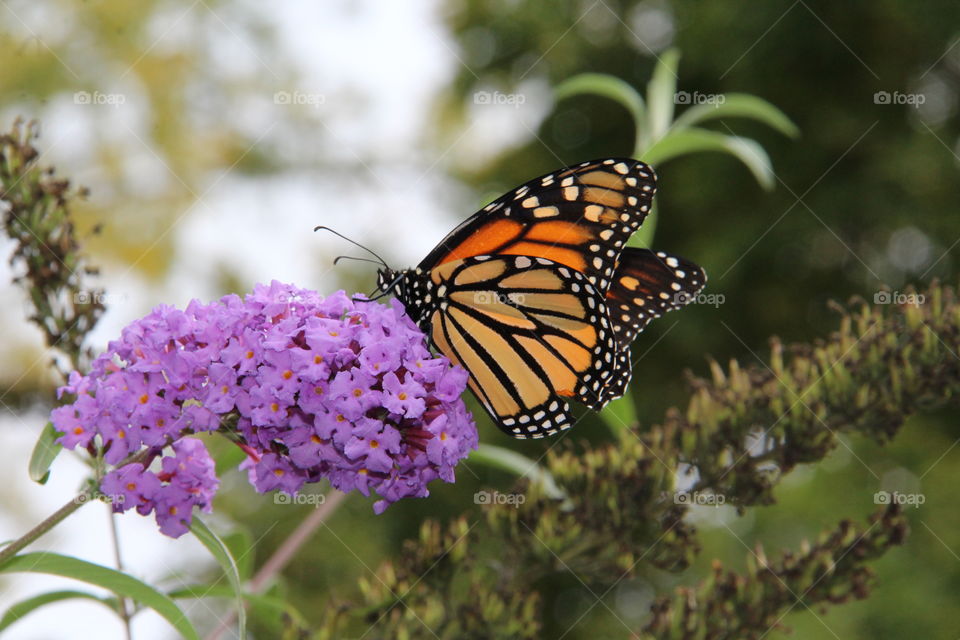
x,y
316,388
185,479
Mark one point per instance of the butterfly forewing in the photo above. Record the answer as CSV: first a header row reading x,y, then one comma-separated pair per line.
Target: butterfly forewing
x,y
580,217
531,332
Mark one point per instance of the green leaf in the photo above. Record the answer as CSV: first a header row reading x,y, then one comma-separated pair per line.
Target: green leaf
x,y
228,458
240,543
608,86
268,604
519,464
44,453
620,414
198,591
739,105
24,607
222,553
695,140
661,92
106,578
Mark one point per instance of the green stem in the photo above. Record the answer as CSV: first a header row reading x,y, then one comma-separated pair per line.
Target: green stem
x,y
122,603
58,516
84,497
284,554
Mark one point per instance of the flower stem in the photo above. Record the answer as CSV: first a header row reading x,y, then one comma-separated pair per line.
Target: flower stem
x,y
122,602
284,554
59,515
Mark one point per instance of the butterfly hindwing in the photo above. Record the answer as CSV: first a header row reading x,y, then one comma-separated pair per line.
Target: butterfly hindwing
x,y
531,332
645,285
580,217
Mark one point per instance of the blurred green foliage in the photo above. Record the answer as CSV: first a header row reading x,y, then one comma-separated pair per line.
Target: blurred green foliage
x,y
868,196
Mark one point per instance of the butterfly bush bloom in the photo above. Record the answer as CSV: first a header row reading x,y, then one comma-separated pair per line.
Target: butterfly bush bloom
x,y
309,387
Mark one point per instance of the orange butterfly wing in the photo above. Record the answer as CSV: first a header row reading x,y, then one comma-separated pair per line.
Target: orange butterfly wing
x,y
580,217
538,297
532,334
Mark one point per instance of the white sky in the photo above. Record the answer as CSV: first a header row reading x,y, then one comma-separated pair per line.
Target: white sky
x,y
395,57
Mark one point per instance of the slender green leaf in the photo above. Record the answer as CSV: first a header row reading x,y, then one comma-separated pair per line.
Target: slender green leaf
x,y
106,578
738,105
608,86
695,140
268,604
661,93
199,591
240,543
519,464
229,458
222,553
620,414
24,607
44,453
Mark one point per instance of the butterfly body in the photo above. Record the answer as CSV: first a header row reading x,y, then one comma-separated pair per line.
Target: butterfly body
x,y
538,297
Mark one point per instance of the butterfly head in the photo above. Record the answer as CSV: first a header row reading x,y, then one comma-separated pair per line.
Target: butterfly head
x,y
411,288
388,279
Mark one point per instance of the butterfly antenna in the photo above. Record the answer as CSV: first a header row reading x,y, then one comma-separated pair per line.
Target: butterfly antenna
x,y
382,293
355,243
339,258
373,299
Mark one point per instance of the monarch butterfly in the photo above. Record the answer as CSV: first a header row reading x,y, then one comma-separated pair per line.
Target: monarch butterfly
x,y
538,296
